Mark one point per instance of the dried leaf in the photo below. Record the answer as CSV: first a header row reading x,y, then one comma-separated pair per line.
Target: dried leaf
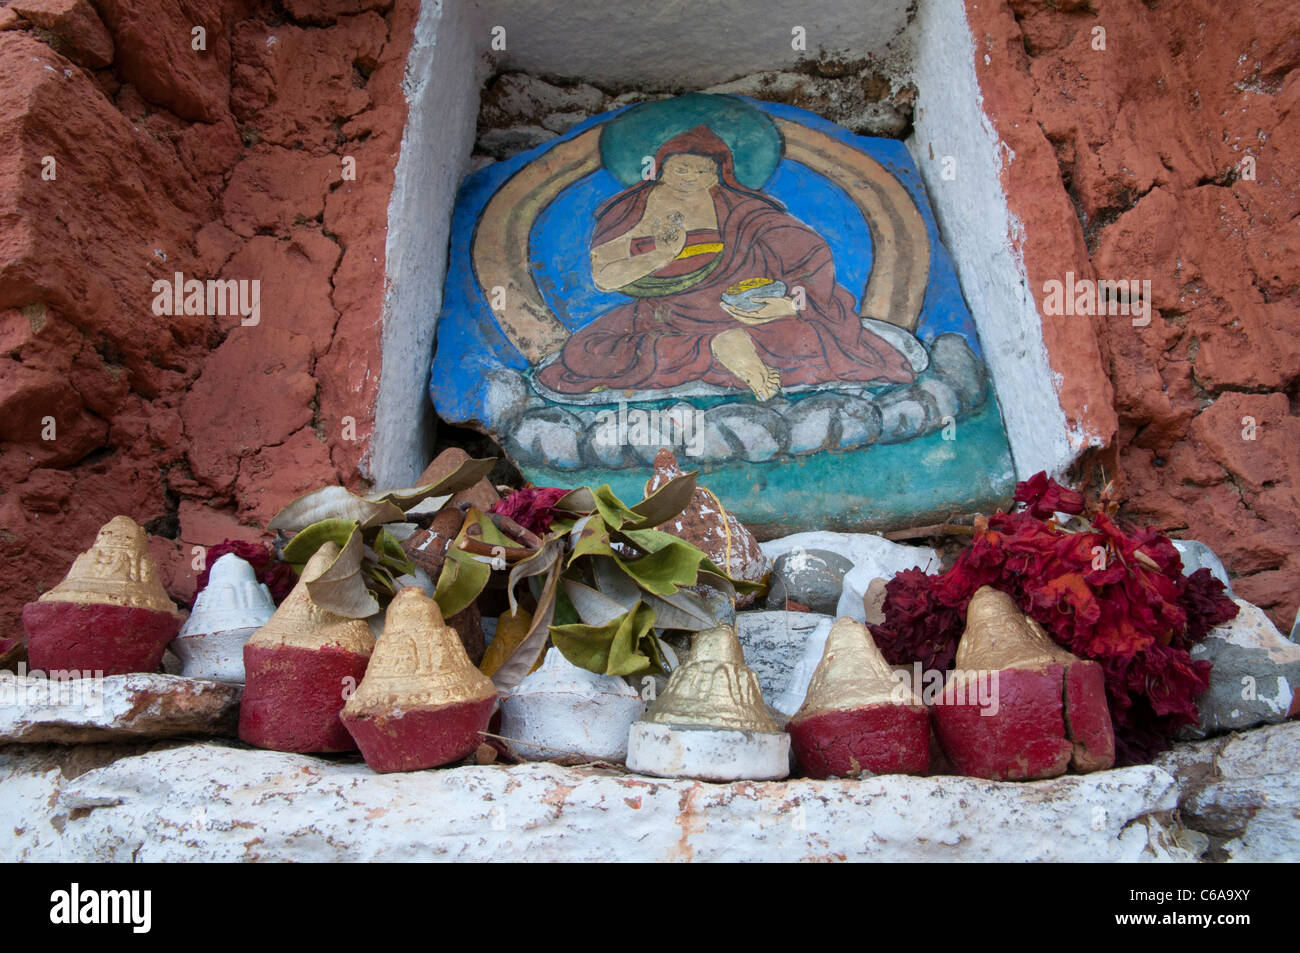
x,y
593,607
462,478
534,565
525,657
340,587
665,503
333,502
681,610
512,629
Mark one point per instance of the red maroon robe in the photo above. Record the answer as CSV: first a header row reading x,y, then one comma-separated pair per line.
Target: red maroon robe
x,y
662,340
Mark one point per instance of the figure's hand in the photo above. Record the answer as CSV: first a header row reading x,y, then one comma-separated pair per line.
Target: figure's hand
x,y
772,310
670,234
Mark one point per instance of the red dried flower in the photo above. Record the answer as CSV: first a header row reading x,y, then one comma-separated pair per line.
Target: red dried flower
x,y
1107,593
533,507
1044,496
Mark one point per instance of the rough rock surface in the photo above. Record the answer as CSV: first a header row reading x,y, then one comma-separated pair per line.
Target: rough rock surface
x,y
115,708
1240,793
1169,156
225,163
777,648
1255,677
519,111
175,803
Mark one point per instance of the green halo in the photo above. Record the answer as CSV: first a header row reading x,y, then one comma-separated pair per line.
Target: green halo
x,y
749,133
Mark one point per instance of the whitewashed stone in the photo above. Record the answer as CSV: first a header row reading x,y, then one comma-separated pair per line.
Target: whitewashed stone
x,y
1196,555
801,673
113,708
871,556
1241,791
564,713
775,642
226,614
219,803
707,754
1255,675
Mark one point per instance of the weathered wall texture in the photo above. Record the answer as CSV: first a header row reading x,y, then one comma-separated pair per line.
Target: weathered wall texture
x,y
1122,162
1126,163
222,162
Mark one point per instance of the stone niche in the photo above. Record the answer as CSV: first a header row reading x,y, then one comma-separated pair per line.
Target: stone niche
x,y
919,232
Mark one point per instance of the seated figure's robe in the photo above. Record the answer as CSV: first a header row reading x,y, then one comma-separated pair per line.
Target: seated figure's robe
x,y
661,338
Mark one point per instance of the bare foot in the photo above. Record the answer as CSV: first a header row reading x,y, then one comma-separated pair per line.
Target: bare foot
x,y
735,349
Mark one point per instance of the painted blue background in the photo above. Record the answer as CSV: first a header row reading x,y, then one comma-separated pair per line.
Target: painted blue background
x,y
470,342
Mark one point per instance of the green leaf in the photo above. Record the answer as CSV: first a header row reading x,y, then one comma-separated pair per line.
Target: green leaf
x,y
460,582
333,502
465,575
340,587
614,648
592,538
391,555
667,569
462,478
301,548
665,503
601,500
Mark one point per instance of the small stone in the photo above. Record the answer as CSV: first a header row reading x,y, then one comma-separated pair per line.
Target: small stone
x,y
1196,555
38,710
566,714
1255,674
710,722
1018,706
857,718
421,704
810,577
300,668
226,614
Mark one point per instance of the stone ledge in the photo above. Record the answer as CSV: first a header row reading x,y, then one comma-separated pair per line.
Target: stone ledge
x,y
211,801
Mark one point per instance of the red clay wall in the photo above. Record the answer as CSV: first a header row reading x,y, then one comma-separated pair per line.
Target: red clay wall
x,y
221,162
1128,165
228,162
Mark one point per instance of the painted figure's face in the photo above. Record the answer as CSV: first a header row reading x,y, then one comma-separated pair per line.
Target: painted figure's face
x,y
689,173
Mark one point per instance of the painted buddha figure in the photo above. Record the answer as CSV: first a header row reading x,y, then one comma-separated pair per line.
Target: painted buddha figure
x,y
696,251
